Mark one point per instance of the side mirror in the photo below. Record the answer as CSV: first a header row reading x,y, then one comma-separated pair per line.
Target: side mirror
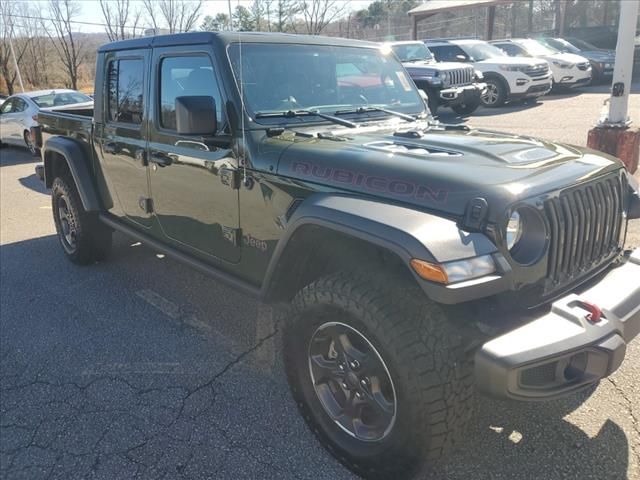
x,y
462,58
196,115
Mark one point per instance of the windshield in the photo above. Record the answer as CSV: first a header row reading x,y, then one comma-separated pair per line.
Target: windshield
x,y
328,79
559,44
411,52
533,47
54,99
481,51
582,45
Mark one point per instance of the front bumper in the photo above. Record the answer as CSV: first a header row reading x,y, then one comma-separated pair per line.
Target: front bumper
x,y
457,95
563,351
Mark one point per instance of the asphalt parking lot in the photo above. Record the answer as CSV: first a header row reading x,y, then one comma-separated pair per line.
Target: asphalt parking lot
x,y
142,368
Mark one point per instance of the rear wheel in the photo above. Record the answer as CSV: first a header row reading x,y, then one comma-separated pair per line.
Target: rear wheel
x,y
83,238
377,373
496,93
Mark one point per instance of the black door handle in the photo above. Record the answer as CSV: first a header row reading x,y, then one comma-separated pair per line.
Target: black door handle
x,y
111,147
161,159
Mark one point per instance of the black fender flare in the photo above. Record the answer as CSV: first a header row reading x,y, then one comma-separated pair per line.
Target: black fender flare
x,y
78,163
406,232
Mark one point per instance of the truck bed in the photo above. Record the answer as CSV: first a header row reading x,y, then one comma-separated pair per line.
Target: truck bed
x,y
78,125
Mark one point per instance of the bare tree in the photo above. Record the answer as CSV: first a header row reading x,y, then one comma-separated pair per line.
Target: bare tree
x,y
64,40
285,10
120,20
174,15
317,14
35,64
7,35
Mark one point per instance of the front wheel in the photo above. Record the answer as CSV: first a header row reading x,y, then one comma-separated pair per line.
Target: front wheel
x,y
495,95
29,143
466,108
377,373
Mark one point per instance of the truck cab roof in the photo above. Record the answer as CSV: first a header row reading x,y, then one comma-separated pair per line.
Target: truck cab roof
x,y
226,38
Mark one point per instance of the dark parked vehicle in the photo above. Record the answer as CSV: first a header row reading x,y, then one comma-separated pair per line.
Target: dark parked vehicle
x,y
602,61
307,172
448,84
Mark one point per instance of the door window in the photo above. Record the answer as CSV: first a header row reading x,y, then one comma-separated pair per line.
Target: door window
x,y
124,90
7,106
186,76
19,105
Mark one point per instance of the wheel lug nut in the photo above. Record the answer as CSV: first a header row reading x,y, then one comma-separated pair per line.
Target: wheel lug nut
x,y
341,367
364,382
354,364
358,395
344,384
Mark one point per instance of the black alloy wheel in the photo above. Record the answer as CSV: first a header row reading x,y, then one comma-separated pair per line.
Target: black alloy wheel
x,y
352,381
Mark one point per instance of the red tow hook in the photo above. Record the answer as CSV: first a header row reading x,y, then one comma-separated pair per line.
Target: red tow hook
x,y
595,314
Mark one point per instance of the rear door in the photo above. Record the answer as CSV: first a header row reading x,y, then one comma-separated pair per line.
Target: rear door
x,y
194,197
121,138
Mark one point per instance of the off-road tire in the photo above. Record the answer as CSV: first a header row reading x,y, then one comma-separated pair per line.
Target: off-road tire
x,y
496,94
426,360
92,238
466,108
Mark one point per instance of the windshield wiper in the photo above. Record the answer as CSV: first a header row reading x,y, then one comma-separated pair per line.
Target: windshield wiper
x,y
404,116
299,113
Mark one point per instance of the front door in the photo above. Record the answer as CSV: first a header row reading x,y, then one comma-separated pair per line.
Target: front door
x,y
121,138
194,201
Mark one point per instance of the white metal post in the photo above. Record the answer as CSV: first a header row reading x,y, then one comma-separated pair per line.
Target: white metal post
x,y
619,103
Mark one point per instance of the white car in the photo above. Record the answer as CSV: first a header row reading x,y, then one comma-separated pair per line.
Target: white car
x,y
507,78
569,70
19,112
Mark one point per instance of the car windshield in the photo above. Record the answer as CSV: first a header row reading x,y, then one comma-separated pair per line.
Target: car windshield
x,y
287,77
559,44
59,99
412,52
482,51
582,45
533,47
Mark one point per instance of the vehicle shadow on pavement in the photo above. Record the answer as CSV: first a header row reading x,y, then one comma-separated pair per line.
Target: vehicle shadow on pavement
x,y
155,369
16,156
534,441
32,182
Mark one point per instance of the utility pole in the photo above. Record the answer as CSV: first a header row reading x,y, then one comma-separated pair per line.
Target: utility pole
x,y
230,15
13,54
612,133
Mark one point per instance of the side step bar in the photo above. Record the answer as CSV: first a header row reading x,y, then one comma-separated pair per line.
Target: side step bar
x,y
171,252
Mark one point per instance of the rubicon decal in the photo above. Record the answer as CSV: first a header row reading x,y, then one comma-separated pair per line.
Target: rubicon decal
x,y
372,183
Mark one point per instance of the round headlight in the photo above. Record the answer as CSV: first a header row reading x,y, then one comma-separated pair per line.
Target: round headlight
x,y
514,230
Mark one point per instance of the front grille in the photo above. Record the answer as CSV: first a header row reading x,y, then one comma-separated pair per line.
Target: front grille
x,y
583,66
460,76
539,70
585,225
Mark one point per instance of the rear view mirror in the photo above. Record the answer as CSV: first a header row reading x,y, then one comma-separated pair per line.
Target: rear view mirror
x,y
196,115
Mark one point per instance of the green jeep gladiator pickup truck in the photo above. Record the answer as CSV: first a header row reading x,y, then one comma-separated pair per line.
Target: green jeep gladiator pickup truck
x,y
418,262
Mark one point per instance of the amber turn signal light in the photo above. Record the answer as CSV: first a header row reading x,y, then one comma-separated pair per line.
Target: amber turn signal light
x,y
430,271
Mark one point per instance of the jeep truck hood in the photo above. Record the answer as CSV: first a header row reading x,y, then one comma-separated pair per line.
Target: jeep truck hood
x,y
443,170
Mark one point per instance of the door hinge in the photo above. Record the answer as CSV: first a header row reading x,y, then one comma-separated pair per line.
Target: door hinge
x,y
232,235
145,204
230,177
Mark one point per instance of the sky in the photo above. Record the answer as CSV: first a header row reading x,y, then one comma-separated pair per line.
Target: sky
x,y
91,10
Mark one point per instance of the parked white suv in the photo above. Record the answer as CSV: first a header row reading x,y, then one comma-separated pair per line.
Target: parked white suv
x,y
569,70
507,78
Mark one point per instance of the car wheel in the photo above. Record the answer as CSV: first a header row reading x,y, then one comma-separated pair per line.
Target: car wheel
x,y
27,140
433,102
83,238
466,108
495,94
377,373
